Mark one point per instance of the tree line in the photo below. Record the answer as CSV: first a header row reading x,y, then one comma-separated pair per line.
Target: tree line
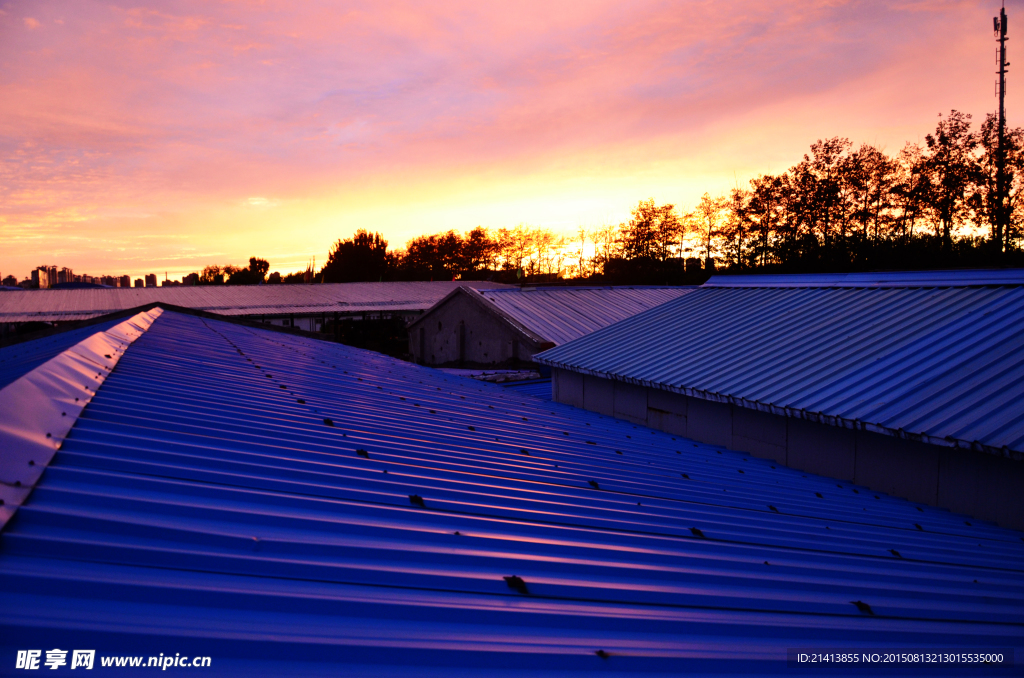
x,y
933,205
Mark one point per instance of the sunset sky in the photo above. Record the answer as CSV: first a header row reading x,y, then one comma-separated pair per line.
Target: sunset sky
x,y
165,136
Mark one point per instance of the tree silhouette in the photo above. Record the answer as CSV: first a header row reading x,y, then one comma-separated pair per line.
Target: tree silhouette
x,y
363,257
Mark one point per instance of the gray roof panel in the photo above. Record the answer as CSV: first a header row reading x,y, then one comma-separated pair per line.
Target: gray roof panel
x,y
561,314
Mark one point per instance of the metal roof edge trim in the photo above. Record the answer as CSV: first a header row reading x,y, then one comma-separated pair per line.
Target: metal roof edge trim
x,y
38,410
944,278
489,306
575,288
795,413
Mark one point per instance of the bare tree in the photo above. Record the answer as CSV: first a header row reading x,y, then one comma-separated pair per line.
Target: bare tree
x,y
708,216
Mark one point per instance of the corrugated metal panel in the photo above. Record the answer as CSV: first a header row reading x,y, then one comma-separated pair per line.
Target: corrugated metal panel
x,y
967,278
253,300
538,388
19,359
561,314
212,500
946,363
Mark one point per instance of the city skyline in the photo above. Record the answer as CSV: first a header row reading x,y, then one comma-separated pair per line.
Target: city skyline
x,y
172,136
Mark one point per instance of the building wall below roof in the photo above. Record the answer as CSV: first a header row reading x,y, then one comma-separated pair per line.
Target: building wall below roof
x,y
487,340
976,483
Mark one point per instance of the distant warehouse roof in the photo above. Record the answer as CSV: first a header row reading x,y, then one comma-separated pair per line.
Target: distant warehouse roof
x,y
252,300
936,355
289,506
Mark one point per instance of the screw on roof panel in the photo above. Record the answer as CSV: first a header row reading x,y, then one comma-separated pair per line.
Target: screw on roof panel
x,y
300,401
697,533
417,500
685,476
593,484
525,452
602,654
516,584
895,553
590,442
918,527
862,606
773,508
328,422
471,428
740,470
818,495
363,453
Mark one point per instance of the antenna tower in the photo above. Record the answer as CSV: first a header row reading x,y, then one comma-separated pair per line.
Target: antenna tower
x,y
1001,212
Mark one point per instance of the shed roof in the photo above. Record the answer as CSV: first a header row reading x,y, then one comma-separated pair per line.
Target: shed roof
x,y
561,314
212,499
937,361
346,298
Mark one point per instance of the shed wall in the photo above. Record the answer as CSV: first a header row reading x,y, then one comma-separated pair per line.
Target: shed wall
x,y
487,340
976,483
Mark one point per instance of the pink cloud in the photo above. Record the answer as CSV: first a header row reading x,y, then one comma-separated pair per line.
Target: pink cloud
x,y
31,23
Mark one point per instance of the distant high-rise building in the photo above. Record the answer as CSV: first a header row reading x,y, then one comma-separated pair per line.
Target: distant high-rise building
x,y
125,281
65,275
41,277
191,279
108,280
10,281
151,280
138,282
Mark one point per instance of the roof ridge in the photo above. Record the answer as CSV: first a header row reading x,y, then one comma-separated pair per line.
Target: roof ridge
x,y
38,410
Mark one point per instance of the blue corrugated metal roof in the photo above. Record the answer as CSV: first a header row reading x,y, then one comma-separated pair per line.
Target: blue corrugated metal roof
x,y
538,388
19,359
561,314
289,506
946,363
